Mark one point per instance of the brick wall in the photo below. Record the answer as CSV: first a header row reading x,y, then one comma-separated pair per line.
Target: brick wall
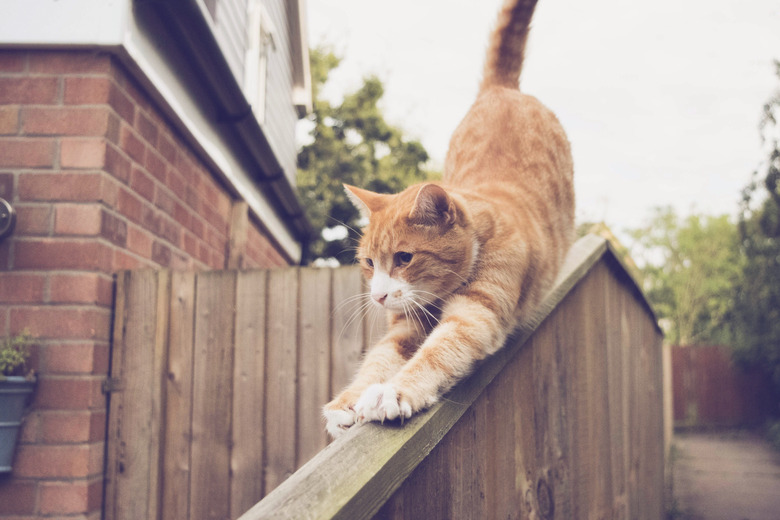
x,y
101,182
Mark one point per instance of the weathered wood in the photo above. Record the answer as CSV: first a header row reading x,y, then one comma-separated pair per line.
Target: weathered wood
x,y
313,360
281,369
178,424
133,489
239,235
336,485
212,395
347,335
246,468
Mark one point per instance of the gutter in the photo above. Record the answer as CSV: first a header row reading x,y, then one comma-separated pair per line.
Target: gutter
x,y
192,34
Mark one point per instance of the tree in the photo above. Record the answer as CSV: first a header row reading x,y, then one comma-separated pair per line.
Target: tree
x,y
691,268
351,143
757,315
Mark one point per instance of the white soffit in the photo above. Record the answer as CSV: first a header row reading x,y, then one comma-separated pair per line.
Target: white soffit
x,y
63,22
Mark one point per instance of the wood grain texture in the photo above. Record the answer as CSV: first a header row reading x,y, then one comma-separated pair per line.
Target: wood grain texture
x,y
528,435
212,395
281,368
249,351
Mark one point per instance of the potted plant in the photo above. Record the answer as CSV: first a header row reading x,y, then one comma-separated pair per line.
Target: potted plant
x,y
17,383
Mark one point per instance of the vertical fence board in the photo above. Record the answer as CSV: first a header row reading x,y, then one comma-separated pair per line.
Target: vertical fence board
x,y
281,367
135,424
313,360
212,395
248,387
347,329
178,432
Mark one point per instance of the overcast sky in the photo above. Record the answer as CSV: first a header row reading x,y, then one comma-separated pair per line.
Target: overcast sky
x,y
661,100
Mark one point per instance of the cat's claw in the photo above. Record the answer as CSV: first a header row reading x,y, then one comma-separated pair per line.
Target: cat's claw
x,y
338,421
380,402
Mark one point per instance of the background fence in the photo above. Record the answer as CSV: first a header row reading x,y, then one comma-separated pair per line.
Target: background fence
x,y
217,379
709,390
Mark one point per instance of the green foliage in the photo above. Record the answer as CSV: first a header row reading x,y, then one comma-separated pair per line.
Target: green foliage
x,y
351,143
757,315
691,269
14,354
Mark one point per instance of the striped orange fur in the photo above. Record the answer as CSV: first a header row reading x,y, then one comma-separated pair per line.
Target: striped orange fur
x,y
458,264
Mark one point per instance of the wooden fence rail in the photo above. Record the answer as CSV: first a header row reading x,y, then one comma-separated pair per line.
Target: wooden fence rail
x,y
217,379
564,422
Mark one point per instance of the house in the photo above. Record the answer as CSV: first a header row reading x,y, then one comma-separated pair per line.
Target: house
x,y
133,134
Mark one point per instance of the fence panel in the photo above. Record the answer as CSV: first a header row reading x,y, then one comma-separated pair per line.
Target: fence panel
x,y
565,421
216,383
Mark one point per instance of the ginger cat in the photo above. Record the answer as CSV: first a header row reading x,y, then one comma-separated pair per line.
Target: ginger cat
x,y
458,264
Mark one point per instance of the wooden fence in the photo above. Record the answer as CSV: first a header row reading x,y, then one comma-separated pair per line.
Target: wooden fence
x,y
219,378
710,391
564,422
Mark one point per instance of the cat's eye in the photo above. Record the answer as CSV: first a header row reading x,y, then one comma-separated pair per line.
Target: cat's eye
x,y
403,258
370,262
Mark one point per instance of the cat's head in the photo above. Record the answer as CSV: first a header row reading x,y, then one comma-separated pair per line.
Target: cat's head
x,y
418,246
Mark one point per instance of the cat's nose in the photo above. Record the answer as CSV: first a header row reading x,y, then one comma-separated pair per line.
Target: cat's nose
x,y
379,297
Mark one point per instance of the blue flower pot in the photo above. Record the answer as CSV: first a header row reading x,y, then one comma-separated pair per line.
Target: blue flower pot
x,y
15,395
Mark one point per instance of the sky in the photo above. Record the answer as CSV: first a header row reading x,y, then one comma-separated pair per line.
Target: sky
x,y
661,100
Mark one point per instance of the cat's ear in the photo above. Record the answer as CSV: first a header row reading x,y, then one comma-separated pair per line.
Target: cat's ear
x,y
367,202
433,206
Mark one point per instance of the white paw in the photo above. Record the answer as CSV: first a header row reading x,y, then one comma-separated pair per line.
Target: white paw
x,y
380,402
338,421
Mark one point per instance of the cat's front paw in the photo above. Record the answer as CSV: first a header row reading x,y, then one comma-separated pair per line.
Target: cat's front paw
x,y
379,402
338,420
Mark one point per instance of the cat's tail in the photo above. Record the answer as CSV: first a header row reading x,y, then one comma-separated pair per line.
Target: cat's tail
x,y
507,45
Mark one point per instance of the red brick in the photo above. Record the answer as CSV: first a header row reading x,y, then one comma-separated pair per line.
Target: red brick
x,y
27,152
176,183
121,103
75,358
72,427
52,461
48,253
72,187
170,231
124,261
167,148
34,219
13,61
69,62
142,184
62,323
69,393
7,186
17,498
130,205
139,241
67,498
113,229
146,128
131,144
9,120
86,288
161,254
117,164
191,244
82,152
87,90
28,90
156,165
21,288
65,121
77,219
31,423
